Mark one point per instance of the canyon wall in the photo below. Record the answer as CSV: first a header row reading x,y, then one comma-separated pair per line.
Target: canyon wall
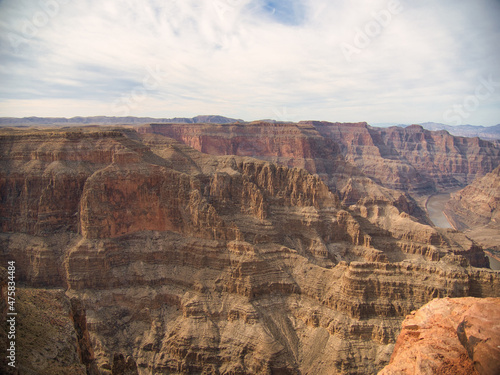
x,y
292,145
476,210
413,158
177,261
409,159
477,204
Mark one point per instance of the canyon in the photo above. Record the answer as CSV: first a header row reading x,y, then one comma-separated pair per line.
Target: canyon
x,y
475,210
478,204
239,248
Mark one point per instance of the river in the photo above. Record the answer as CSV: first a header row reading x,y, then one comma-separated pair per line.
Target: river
x,y
435,206
494,263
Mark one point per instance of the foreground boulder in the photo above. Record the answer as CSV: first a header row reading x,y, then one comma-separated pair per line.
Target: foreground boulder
x,y
449,336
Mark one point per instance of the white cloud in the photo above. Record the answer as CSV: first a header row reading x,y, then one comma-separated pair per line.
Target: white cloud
x,y
247,58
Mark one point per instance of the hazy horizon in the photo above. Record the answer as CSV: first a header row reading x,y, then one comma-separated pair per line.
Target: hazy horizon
x,y
376,124
386,61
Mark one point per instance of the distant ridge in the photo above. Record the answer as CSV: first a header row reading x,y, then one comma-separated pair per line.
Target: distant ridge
x,y
470,131
485,132
105,120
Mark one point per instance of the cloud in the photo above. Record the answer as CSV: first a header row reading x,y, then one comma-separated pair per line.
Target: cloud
x,y
248,58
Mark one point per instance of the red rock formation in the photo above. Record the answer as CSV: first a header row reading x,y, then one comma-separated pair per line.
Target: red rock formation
x,y
449,336
43,174
476,210
412,158
361,163
292,145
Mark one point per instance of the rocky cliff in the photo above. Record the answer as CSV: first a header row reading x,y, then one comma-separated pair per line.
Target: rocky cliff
x,y
478,204
449,336
476,210
292,145
176,261
409,159
413,158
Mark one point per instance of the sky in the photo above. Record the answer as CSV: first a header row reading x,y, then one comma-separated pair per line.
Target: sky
x,y
395,61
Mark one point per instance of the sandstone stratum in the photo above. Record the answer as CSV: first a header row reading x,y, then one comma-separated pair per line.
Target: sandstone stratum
x,y
256,248
410,159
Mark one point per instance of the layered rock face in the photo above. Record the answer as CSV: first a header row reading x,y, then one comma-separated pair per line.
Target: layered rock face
x,y
476,210
413,158
175,261
409,159
293,145
449,336
43,175
478,204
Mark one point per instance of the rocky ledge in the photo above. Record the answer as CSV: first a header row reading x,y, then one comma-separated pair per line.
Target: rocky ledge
x,y
449,336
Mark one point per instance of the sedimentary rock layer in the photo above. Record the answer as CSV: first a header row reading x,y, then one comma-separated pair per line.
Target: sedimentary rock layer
x,y
478,204
413,158
409,159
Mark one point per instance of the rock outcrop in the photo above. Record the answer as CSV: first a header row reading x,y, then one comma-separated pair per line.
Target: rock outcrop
x,y
292,145
176,261
449,336
85,351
